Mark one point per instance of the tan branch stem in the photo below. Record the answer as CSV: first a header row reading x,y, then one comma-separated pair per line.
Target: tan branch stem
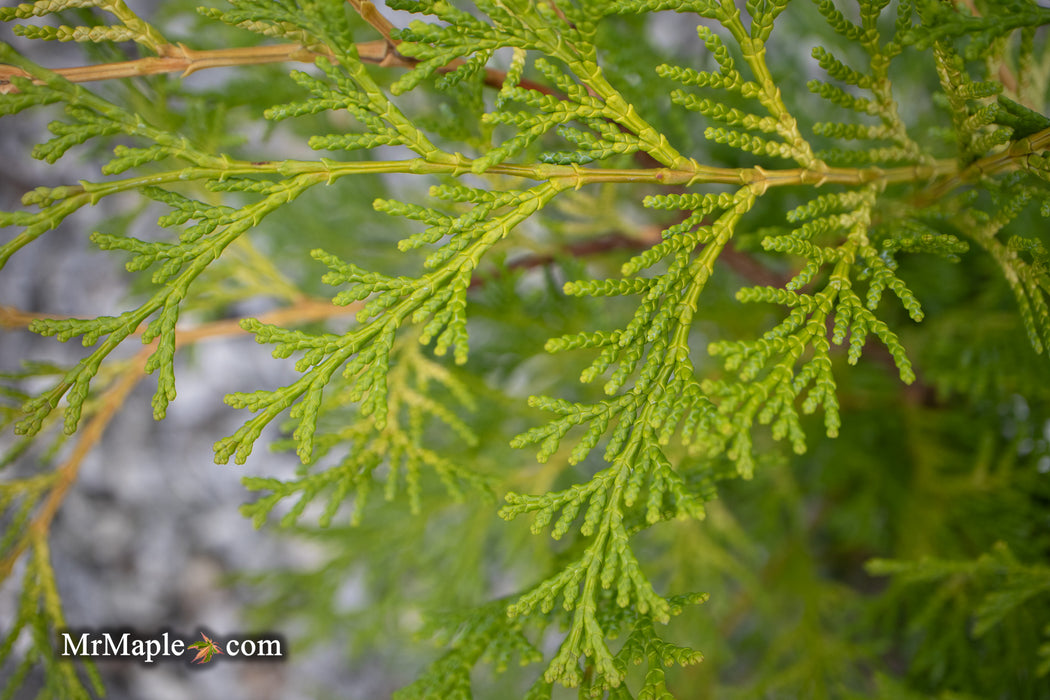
x,y
186,61
374,17
111,402
112,399
1004,161
306,310
66,473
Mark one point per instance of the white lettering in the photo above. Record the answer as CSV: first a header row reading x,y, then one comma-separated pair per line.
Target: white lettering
x,y
112,649
152,649
254,647
270,647
77,648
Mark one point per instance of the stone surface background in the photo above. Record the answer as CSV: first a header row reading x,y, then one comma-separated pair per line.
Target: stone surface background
x,y
150,535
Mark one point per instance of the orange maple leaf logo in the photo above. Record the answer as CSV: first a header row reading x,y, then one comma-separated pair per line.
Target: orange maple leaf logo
x,y
205,650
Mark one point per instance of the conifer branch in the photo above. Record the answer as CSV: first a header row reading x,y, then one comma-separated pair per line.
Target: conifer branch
x,y
179,58
65,475
513,175
1010,159
375,18
306,310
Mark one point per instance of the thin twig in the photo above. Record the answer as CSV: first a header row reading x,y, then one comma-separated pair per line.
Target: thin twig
x,y
179,58
374,17
186,61
306,310
112,399
66,473
617,240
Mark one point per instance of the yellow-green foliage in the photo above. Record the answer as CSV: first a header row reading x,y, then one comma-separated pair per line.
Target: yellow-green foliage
x,y
904,151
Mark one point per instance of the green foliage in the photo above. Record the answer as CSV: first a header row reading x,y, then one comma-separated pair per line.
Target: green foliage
x,y
39,615
541,141
999,600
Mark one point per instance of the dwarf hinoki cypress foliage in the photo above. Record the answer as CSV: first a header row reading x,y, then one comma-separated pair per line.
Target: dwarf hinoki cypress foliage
x,y
875,201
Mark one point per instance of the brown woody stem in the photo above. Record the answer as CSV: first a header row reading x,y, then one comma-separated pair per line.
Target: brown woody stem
x,y
184,60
